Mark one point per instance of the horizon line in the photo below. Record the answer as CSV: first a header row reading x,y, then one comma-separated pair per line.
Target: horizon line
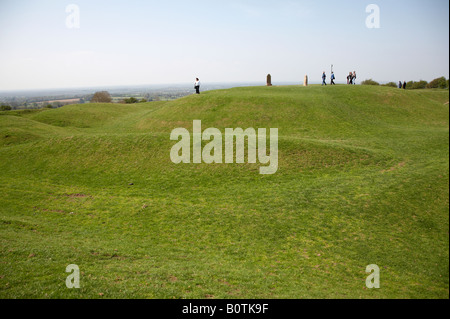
x,y
165,85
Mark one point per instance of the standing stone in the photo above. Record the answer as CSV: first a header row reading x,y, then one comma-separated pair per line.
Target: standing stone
x,y
269,80
305,81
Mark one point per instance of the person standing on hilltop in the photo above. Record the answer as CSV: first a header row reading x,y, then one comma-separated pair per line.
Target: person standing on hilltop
x,y
197,86
324,78
354,78
332,78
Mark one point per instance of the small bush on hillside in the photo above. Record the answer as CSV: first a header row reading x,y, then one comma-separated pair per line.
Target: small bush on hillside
x,y
439,83
5,107
101,97
412,85
390,84
369,82
131,100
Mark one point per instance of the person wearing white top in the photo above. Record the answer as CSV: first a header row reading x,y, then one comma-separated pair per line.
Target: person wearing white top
x,y
197,86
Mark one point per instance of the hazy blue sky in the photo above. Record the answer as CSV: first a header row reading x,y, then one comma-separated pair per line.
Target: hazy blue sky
x,y
127,42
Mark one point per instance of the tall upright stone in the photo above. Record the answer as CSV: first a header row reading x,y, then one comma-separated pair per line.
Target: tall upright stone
x,y
305,81
269,80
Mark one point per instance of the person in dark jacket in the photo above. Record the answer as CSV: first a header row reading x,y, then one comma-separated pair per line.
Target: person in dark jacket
x,y
404,85
324,78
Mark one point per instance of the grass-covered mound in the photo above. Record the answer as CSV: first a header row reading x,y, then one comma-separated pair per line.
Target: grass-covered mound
x,y
362,179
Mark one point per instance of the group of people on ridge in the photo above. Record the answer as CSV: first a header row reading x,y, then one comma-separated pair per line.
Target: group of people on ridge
x,y
351,78
400,85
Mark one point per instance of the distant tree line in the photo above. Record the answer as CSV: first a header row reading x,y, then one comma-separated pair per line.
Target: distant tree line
x,y
439,83
132,100
28,101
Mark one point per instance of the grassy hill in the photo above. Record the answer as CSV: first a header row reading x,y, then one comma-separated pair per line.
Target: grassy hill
x,y
363,179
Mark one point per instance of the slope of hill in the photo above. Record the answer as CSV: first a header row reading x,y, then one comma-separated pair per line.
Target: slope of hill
x,y
362,179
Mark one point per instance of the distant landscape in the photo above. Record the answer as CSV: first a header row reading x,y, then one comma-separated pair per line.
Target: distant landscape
x,y
59,97
35,99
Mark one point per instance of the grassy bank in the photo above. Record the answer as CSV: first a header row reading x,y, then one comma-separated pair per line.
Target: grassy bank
x,y
362,179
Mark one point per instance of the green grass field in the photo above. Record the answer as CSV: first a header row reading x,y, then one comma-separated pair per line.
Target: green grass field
x,y
363,179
